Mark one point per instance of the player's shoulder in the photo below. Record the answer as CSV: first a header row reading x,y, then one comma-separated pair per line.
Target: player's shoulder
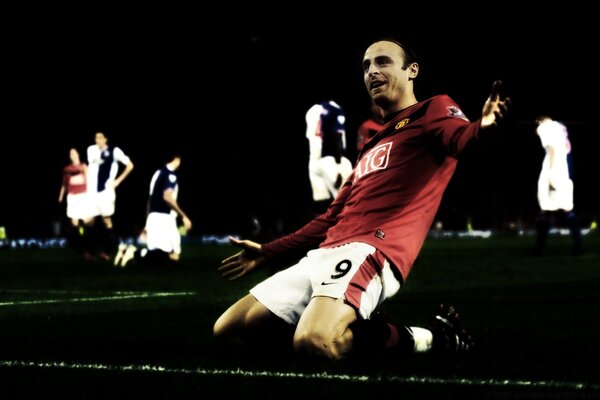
x,y
120,153
331,104
442,99
444,104
550,127
314,112
435,103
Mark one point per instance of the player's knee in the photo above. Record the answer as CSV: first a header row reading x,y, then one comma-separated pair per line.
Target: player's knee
x,y
318,344
229,325
222,327
228,337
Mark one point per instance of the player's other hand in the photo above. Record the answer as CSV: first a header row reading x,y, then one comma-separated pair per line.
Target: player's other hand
x,y
494,109
243,262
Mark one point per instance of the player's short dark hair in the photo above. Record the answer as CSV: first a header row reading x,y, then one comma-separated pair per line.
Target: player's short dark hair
x,y
410,56
541,118
169,155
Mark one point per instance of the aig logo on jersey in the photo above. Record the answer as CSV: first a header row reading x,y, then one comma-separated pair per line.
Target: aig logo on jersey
x,y
375,159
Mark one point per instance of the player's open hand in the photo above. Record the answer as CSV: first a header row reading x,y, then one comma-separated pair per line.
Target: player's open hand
x,y
494,109
243,262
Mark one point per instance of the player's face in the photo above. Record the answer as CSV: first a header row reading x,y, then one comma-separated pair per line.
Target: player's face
x,y
74,156
176,162
384,77
100,140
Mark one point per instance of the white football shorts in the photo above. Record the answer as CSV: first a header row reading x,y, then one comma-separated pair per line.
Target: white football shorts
x,y
356,272
79,206
104,202
555,195
323,173
162,233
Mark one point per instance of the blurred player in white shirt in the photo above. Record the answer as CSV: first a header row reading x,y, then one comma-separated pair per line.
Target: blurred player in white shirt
x,y
555,184
103,179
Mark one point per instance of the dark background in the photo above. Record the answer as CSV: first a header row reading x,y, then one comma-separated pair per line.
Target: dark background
x,y
229,87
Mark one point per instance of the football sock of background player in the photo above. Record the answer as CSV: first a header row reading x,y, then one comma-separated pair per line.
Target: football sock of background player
x,y
543,226
157,258
90,238
107,239
74,237
575,231
152,258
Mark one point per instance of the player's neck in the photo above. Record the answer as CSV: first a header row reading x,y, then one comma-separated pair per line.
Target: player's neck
x,y
407,100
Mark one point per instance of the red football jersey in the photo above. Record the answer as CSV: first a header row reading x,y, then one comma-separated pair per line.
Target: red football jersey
x,y
394,192
74,178
366,131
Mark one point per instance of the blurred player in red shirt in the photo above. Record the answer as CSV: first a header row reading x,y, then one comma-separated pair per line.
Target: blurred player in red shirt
x,y
74,190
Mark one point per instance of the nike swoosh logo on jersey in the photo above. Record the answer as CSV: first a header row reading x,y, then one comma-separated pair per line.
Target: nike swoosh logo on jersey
x,y
327,283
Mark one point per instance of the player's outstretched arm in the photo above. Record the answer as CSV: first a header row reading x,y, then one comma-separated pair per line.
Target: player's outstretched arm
x,y
494,109
243,262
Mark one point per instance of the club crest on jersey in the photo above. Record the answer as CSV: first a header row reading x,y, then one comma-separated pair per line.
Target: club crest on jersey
x,y
402,123
375,159
454,111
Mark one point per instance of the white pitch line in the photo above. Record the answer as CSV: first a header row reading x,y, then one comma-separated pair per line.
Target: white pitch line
x,y
301,375
141,295
52,291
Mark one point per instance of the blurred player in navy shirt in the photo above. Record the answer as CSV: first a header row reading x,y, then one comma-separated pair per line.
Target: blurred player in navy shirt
x,y
163,238
328,167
